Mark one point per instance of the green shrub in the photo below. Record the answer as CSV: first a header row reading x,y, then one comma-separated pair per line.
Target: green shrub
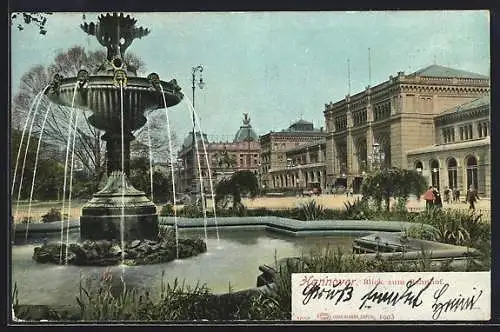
x,y
54,214
357,210
455,227
191,210
311,210
176,301
27,220
167,210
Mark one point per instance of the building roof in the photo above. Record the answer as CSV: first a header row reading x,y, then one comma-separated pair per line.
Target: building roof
x,y
188,141
301,122
446,72
484,100
451,146
246,132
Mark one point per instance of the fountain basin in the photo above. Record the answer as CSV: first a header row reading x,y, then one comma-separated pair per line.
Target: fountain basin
x,y
102,96
233,260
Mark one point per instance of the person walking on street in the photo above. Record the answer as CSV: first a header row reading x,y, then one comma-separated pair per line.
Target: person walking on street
x,y
472,198
457,195
447,192
438,203
429,198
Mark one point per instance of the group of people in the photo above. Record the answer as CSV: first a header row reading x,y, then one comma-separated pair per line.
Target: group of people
x,y
451,194
433,199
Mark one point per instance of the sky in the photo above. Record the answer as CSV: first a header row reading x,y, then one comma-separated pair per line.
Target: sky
x,y
276,66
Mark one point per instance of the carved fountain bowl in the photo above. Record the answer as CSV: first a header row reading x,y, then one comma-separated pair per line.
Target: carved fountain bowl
x,y
102,96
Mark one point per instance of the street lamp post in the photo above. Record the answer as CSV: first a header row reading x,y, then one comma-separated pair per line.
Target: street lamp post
x,y
201,84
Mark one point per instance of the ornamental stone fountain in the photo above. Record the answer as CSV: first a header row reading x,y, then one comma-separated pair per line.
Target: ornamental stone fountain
x,y
101,93
119,224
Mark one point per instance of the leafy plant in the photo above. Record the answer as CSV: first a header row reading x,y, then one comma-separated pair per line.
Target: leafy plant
x,y
54,214
191,210
455,227
312,210
357,210
14,297
167,210
27,220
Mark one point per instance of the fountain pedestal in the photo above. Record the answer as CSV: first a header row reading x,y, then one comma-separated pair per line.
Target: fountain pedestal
x,y
117,206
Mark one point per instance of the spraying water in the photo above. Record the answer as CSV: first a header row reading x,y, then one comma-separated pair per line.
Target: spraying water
x,y
122,218
25,156
71,185
209,172
66,169
172,171
150,160
202,191
39,95
35,169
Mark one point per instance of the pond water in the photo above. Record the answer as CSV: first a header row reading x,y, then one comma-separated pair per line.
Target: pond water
x,y
233,260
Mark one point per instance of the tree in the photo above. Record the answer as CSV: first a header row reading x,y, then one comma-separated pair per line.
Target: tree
x,y
49,172
240,183
89,148
140,179
38,19
387,183
157,136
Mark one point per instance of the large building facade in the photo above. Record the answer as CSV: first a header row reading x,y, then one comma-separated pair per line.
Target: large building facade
x,y
292,157
461,155
382,123
221,159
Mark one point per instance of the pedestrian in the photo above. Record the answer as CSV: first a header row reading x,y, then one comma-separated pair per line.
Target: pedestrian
x,y
438,203
458,195
429,198
447,192
472,198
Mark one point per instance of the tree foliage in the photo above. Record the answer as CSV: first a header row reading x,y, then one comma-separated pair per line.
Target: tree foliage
x,y
141,179
49,172
240,183
387,183
38,19
89,148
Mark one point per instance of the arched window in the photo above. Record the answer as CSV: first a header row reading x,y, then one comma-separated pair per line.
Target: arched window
x,y
452,173
472,180
419,167
434,166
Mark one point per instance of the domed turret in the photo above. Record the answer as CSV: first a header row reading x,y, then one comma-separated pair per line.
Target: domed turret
x,y
245,133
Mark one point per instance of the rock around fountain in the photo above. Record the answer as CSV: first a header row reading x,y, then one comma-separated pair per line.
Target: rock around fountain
x,y
112,91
